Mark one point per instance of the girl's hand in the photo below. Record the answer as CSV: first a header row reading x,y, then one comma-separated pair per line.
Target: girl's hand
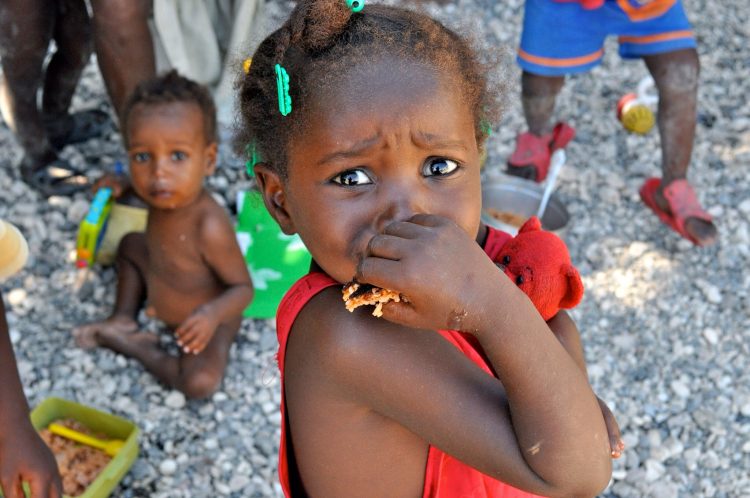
x,y
438,267
25,458
194,334
616,444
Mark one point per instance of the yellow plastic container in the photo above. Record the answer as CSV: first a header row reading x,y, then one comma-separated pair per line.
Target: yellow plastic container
x,y
112,426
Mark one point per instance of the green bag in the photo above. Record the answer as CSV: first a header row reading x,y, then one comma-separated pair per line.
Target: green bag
x,y
275,260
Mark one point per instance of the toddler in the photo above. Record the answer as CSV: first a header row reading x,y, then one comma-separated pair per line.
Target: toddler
x,y
187,267
370,123
563,37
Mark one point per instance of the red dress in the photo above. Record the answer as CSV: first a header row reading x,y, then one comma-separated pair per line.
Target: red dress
x,y
445,476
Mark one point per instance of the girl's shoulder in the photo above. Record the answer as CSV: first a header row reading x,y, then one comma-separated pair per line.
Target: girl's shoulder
x,y
360,352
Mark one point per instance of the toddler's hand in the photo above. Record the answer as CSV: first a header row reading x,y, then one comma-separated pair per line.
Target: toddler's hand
x,y
25,458
118,183
616,444
194,334
438,267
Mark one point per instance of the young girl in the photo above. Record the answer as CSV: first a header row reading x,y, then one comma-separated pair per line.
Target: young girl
x,y
370,151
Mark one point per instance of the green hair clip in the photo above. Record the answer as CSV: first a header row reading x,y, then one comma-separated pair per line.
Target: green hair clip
x,y
355,5
253,158
282,89
485,126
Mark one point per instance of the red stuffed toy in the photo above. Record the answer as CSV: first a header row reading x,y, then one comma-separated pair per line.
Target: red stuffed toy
x,y
539,263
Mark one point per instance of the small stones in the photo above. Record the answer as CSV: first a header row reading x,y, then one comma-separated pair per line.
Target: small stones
x,y
663,323
168,467
175,400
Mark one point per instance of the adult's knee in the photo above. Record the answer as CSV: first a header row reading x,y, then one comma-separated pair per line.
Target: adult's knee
x,y
116,17
200,385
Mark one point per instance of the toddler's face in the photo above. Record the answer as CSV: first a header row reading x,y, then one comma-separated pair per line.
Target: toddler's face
x,y
383,144
169,155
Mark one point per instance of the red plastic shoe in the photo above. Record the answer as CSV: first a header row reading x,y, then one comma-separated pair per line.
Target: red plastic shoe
x,y
535,151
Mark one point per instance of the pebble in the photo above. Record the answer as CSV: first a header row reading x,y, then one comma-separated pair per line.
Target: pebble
x,y
711,335
168,467
175,400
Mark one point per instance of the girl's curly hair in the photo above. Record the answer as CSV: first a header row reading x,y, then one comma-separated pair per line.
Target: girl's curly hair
x,y
324,38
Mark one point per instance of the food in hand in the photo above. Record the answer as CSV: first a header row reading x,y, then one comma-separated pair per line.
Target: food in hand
x,y
356,295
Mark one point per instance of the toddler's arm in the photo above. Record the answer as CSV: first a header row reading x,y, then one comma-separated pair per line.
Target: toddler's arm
x,y
23,455
560,436
222,254
567,333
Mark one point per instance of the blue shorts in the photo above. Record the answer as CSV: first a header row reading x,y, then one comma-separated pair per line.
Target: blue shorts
x,y
562,38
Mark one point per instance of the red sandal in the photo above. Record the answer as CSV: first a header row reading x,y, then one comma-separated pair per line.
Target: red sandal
x,y
683,204
533,150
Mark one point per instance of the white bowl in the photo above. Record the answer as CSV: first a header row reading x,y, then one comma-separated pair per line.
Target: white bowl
x,y
515,195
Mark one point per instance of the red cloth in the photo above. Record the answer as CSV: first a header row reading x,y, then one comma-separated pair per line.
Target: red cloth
x,y
445,476
586,4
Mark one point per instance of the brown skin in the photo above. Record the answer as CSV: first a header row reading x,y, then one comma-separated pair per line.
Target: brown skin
x,y
23,455
124,47
27,28
187,265
367,396
676,77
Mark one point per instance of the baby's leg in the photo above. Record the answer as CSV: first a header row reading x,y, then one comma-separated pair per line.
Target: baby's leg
x,y
197,376
132,261
200,375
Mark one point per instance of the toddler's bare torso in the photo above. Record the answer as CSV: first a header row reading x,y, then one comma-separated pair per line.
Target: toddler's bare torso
x,y
178,277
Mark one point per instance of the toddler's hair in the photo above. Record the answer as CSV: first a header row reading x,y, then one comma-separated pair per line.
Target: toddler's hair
x,y
324,38
169,88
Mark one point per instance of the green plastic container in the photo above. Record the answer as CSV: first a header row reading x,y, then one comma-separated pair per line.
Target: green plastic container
x,y
275,260
113,427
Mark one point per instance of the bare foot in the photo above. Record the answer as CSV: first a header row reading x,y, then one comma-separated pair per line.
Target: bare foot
x,y
89,336
130,344
701,230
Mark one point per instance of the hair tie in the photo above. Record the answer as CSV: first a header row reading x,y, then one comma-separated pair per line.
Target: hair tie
x,y
253,158
355,5
246,65
282,89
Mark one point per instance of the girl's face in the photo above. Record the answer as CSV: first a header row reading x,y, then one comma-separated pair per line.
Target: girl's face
x,y
383,144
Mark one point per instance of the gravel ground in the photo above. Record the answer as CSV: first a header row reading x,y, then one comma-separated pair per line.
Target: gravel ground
x,y
664,324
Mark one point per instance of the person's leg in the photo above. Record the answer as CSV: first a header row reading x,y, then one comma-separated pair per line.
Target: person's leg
x,y
72,34
197,376
538,95
557,39
131,262
124,47
676,77
25,33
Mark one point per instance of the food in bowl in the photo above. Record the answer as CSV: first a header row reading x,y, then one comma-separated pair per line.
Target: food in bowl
x,y
79,465
507,217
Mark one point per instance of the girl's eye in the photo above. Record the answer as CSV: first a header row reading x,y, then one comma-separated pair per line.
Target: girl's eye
x,y
140,157
178,155
439,166
352,177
